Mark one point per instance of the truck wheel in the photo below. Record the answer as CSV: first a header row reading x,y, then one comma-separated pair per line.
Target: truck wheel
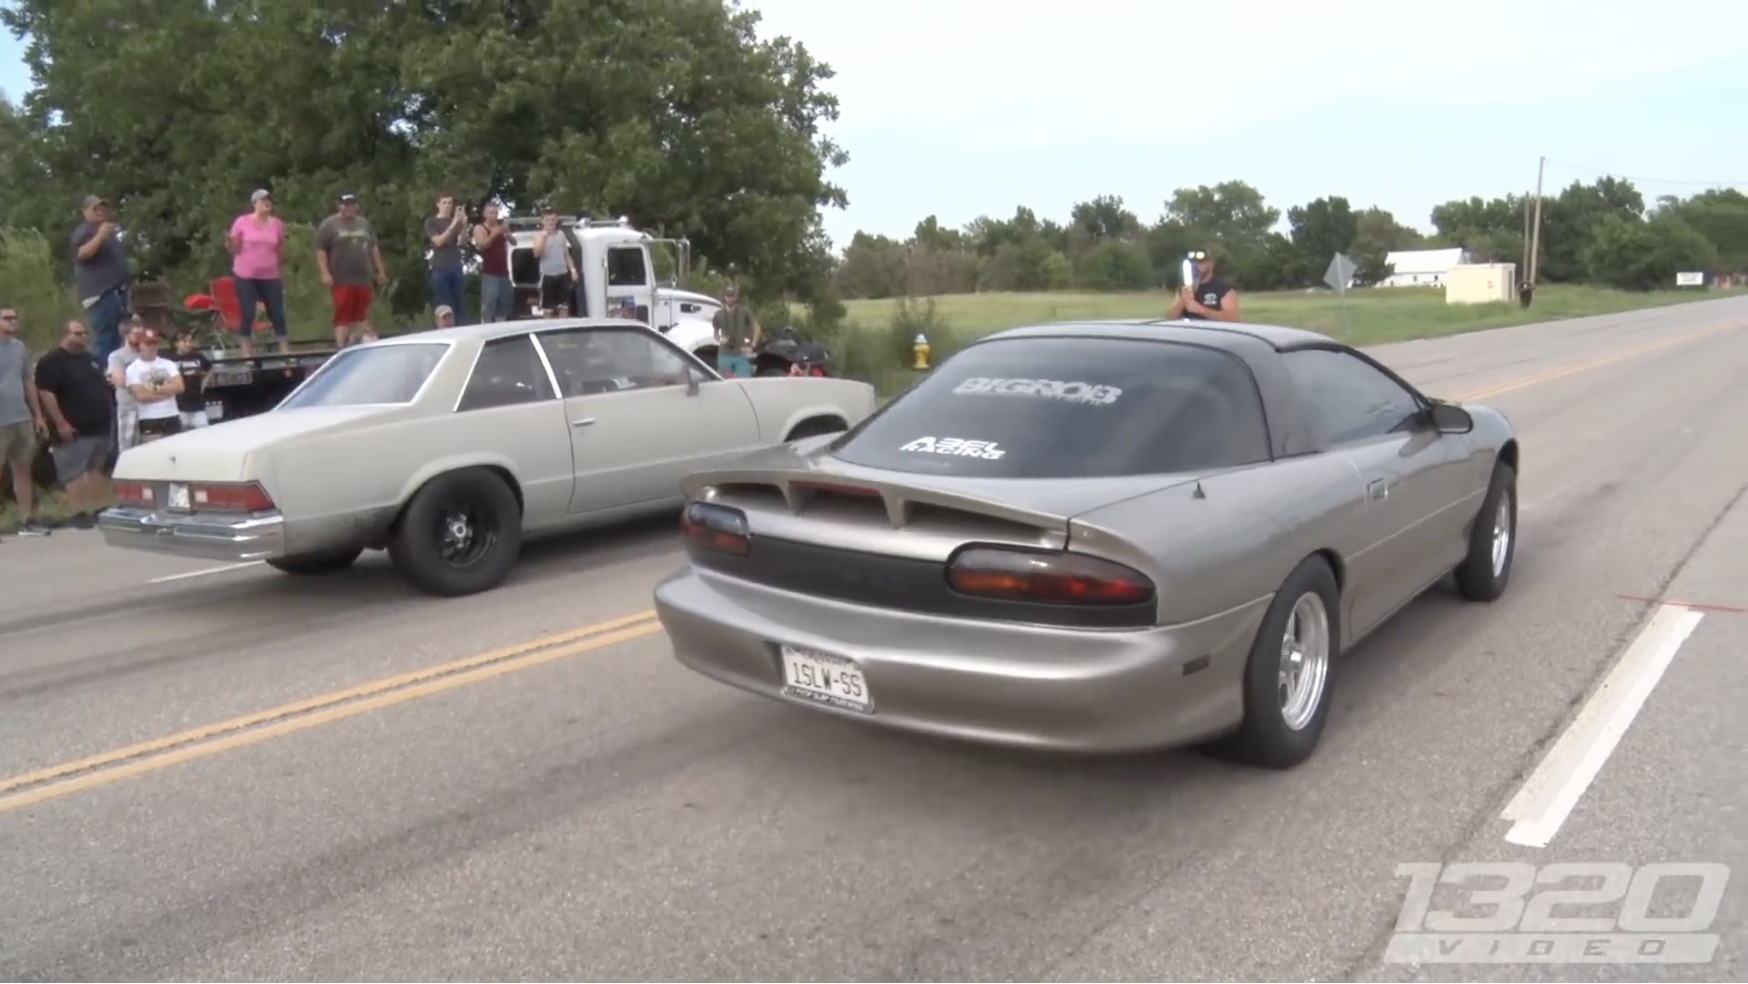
x,y
460,534
315,565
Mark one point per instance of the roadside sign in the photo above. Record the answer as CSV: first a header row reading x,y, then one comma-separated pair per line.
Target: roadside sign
x,y
1339,276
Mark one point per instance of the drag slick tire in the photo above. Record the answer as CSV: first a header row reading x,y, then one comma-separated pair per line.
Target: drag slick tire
x,y
459,535
316,564
1290,676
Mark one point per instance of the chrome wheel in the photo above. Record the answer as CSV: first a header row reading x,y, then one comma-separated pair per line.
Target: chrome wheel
x,y
1304,661
1501,532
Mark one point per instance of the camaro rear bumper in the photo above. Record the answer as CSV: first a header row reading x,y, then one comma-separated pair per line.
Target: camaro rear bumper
x,y
1002,683
199,536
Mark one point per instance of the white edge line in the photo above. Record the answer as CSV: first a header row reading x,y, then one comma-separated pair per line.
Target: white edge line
x,y
205,571
1575,760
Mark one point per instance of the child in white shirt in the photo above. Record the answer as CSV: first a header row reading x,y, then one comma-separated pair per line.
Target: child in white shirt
x,y
155,383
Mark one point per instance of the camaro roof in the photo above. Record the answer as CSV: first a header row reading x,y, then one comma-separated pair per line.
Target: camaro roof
x,y
1233,336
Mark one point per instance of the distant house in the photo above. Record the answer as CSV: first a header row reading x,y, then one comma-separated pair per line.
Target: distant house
x,y
1422,267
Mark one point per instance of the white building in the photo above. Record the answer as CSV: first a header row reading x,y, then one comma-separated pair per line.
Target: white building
x,y
1423,267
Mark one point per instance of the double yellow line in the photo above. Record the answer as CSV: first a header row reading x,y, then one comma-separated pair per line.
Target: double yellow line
x,y
32,788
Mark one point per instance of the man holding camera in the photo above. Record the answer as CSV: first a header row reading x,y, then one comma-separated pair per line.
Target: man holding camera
x,y
448,282
100,272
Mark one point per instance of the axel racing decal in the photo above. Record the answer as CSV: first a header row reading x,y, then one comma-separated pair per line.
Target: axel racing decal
x,y
956,446
1055,389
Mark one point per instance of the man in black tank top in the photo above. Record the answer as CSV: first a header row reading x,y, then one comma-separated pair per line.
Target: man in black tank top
x,y
1209,299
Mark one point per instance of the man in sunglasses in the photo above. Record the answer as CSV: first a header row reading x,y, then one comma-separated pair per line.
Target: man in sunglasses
x,y
1208,299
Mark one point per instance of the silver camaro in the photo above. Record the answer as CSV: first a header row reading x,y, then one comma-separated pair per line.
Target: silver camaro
x,y
1097,537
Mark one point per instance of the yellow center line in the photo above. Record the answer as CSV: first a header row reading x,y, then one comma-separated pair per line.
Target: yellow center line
x,y
151,756
1546,376
31,788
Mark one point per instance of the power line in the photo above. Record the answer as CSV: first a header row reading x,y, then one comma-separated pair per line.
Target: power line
x,y
1641,179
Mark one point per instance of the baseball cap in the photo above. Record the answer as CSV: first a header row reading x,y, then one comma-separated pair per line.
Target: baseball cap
x,y
150,336
628,303
348,198
261,193
91,200
730,291
443,309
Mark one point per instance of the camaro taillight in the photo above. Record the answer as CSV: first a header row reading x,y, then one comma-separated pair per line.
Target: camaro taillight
x,y
1058,578
718,528
229,497
134,494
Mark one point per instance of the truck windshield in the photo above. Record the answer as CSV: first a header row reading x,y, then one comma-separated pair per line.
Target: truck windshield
x,y
374,375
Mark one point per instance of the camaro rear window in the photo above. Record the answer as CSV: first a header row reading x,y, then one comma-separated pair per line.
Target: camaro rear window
x,y
1067,408
363,376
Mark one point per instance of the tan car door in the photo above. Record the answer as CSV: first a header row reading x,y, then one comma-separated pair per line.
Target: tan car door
x,y
637,426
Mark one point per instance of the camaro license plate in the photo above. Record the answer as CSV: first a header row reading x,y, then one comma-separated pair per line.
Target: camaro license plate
x,y
825,679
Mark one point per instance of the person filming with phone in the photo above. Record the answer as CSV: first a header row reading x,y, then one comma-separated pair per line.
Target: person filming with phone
x,y
1205,297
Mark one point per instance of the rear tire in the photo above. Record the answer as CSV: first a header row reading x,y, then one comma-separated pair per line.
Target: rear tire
x,y
460,534
1485,572
316,565
1284,712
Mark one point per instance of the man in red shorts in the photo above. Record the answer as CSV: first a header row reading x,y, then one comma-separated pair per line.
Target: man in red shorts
x,y
347,254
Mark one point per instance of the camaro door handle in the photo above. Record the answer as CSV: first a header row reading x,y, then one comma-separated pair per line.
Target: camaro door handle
x,y
582,421
1376,490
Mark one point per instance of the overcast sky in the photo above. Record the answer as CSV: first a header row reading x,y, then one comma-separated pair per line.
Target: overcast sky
x,y
959,108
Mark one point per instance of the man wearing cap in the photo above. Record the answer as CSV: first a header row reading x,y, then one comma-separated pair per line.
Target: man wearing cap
x,y
347,252
101,275
155,382
1208,299
737,335
628,307
445,316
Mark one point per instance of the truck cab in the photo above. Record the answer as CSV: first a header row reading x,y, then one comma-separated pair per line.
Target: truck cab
x,y
614,261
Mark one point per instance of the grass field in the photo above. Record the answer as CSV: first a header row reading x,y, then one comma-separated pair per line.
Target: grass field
x,y
878,346
1370,316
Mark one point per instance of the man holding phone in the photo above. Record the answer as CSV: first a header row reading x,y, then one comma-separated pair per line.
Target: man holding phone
x,y
1208,299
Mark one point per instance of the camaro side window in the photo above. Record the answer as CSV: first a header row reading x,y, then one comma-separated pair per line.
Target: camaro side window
x,y
1346,399
508,372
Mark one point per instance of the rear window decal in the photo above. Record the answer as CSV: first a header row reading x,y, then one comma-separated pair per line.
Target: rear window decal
x,y
1056,389
958,446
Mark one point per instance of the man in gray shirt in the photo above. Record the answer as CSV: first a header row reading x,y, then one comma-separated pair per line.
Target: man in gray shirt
x,y
346,252
448,282
101,275
21,420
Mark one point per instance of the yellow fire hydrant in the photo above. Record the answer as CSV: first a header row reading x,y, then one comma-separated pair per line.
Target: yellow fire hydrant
x,y
920,348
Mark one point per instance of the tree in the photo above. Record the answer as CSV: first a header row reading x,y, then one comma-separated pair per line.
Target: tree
x,y
675,114
1323,228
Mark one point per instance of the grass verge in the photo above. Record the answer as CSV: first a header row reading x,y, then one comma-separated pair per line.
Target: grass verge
x,y
876,343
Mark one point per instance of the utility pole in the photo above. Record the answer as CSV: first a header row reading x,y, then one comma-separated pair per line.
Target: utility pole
x,y
1536,235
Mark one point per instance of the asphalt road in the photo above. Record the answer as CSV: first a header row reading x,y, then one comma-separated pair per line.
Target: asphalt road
x,y
592,811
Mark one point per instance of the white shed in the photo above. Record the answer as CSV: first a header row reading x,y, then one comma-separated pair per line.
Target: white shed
x,y
1423,267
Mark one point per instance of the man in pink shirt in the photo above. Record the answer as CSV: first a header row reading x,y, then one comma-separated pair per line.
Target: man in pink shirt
x,y
257,245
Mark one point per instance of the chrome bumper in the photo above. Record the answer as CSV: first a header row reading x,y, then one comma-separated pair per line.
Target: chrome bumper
x,y
198,536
